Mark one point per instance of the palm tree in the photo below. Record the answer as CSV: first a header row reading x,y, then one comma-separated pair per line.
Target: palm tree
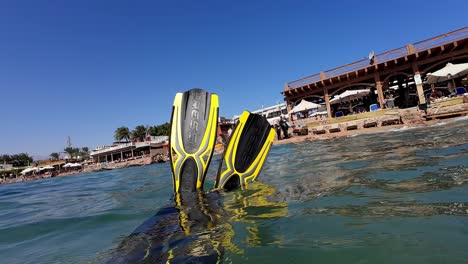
x,y
55,155
122,133
76,152
139,133
84,153
18,160
70,151
160,130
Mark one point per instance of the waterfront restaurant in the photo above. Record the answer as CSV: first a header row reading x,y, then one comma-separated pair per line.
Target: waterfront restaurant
x,y
398,73
124,151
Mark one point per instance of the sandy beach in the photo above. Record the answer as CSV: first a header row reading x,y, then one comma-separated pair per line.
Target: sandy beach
x,y
90,168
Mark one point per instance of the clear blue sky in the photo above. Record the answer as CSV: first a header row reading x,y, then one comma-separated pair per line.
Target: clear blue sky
x,y
83,68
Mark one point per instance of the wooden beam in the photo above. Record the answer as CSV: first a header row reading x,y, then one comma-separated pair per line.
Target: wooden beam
x,y
378,84
327,101
410,49
455,45
322,76
441,57
419,87
289,108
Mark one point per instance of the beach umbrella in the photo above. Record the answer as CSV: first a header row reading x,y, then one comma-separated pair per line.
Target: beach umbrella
x,y
304,106
349,95
28,170
449,72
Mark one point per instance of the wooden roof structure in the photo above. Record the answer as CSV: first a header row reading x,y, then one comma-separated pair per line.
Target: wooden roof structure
x,y
417,58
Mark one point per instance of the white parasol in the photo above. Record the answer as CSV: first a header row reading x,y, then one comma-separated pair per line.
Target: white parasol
x,y
28,170
449,72
304,106
349,95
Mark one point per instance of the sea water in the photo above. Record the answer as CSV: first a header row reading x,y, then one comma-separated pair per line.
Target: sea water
x,y
400,196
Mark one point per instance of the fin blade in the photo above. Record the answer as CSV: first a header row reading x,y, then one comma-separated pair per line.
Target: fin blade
x,y
246,151
193,136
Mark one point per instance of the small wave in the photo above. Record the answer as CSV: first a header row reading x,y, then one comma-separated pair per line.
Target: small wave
x,y
439,124
401,129
455,120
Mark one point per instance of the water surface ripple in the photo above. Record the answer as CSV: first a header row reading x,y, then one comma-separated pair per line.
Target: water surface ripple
x,y
399,196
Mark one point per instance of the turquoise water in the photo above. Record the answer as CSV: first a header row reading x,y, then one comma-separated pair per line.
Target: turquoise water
x,y
394,197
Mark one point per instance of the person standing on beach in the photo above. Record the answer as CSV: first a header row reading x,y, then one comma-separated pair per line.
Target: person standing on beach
x,y
278,129
284,126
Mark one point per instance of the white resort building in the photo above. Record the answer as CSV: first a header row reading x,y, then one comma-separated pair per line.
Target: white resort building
x,y
120,151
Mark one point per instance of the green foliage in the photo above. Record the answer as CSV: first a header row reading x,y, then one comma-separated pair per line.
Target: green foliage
x,y
160,130
139,133
17,160
84,153
55,155
122,133
77,152
69,151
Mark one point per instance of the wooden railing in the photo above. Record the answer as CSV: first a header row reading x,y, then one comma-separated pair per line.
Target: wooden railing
x,y
383,57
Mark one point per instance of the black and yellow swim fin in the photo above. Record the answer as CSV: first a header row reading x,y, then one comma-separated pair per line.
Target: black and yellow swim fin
x,y
194,124
246,152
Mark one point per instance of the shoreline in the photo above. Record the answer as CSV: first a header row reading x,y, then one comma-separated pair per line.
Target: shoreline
x,y
91,168
412,119
363,131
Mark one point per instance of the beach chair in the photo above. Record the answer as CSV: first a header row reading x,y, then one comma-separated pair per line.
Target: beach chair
x,y
359,109
373,107
390,103
460,90
339,113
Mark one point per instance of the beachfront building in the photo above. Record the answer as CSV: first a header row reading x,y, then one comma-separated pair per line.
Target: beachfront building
x,y
396,76
152,146
5,166
272,113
